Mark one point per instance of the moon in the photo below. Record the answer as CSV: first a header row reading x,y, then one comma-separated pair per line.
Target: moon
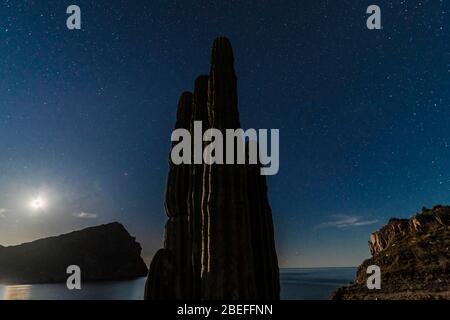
x,y
37,203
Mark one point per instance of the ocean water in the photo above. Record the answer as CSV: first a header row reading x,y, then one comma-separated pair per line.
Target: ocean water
x,y
313,283
296,284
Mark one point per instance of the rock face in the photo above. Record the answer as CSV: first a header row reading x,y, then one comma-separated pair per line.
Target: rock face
x,y
105,252
413,256
227,250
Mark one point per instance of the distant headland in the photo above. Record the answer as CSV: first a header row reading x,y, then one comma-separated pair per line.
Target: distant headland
x,y
105,252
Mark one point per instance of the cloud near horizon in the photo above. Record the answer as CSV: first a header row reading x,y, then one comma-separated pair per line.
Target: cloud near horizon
x,y
2,212
346,221
85,215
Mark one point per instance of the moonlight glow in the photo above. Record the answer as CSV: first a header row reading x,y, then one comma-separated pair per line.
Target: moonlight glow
x,y
37,203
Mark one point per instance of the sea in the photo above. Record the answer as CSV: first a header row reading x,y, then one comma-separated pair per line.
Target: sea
x,y
296,284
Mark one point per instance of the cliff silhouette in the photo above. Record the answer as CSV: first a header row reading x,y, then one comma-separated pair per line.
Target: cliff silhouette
x,y
413,256
105,252
219,238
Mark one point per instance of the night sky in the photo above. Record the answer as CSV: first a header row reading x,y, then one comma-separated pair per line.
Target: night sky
x,y
86,115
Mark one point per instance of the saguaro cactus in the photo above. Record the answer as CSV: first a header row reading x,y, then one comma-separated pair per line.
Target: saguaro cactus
x,y
262,234
177,237
196,190
219,241
160,283
227,266
178,178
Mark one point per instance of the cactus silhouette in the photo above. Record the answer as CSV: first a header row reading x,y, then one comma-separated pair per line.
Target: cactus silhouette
x,y
219,239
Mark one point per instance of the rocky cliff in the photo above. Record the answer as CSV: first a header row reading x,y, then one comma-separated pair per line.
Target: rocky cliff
x,y
413,256
219,240
105,252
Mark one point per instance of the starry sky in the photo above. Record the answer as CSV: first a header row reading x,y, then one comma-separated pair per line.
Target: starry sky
x,y
86,115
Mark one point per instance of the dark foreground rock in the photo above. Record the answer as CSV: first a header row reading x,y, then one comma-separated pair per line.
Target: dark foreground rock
x,y
105,252
414,258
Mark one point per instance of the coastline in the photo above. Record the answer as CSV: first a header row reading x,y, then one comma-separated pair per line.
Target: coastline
x,y
296,284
